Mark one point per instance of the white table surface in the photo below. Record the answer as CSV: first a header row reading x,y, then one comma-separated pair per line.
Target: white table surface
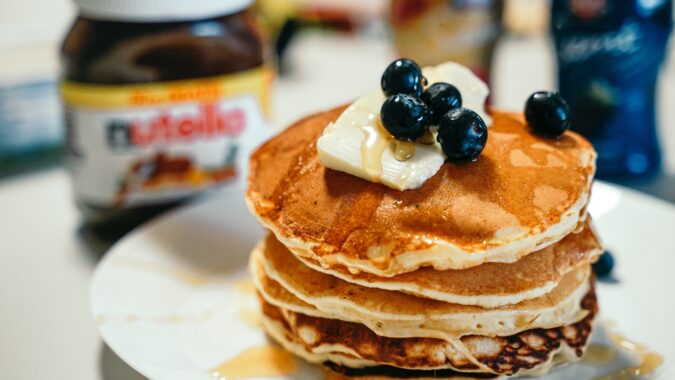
x,y
46,331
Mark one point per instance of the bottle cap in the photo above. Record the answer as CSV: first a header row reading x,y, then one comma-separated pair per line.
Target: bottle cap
x,y
158,10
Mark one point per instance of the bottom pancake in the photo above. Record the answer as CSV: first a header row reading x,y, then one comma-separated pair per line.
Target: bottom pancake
x,y
351,346
338,372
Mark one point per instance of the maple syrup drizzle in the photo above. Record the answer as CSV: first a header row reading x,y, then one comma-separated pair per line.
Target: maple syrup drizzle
x,y
648,361
599,354
371,150
257,362
404,150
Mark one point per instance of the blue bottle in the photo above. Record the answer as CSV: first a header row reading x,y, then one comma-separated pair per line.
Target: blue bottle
x,y
609,54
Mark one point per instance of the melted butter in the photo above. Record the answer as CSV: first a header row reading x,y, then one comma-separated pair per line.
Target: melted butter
x,y
174,273
599,354
372,148
257,362
404,150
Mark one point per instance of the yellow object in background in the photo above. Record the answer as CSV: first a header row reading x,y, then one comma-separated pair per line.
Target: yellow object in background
x,y
274,13
527,17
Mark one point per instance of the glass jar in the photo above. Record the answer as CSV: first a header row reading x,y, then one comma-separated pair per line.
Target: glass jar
x,y
157,95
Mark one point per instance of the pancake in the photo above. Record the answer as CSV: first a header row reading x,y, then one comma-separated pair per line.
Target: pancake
x,y
522,194
333,371
285,282
489,285
320,340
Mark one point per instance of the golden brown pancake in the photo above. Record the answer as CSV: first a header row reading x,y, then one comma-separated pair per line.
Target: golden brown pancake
x,y
487,285
321,338
285,282
523,193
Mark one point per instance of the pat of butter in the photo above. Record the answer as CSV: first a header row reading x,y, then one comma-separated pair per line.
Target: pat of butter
x,y
357,144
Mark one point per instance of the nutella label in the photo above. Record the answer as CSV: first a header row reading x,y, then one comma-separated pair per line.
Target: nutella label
x,y
133,145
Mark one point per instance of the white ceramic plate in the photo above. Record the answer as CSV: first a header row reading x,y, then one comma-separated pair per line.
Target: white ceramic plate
x,y
169,300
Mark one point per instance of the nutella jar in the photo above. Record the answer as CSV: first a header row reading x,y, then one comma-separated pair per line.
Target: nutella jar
x,y
157,94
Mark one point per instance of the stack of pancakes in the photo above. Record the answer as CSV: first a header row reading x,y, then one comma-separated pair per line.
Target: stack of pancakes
x,y
483,271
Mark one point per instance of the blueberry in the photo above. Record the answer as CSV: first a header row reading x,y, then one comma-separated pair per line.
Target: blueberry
x,y
402,76
462,134
405,117
441,97
603,267
547,114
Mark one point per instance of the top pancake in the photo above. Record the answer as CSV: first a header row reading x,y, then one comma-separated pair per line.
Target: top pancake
x,y
523,193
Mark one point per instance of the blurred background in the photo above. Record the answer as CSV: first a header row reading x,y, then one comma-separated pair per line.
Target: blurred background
x,y
337,49
269,63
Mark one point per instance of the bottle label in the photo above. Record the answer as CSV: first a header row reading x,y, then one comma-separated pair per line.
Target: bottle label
x,y
141,144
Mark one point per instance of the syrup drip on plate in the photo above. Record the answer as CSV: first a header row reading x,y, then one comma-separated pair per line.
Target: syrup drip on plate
x,y
257,362
648,361
599,354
